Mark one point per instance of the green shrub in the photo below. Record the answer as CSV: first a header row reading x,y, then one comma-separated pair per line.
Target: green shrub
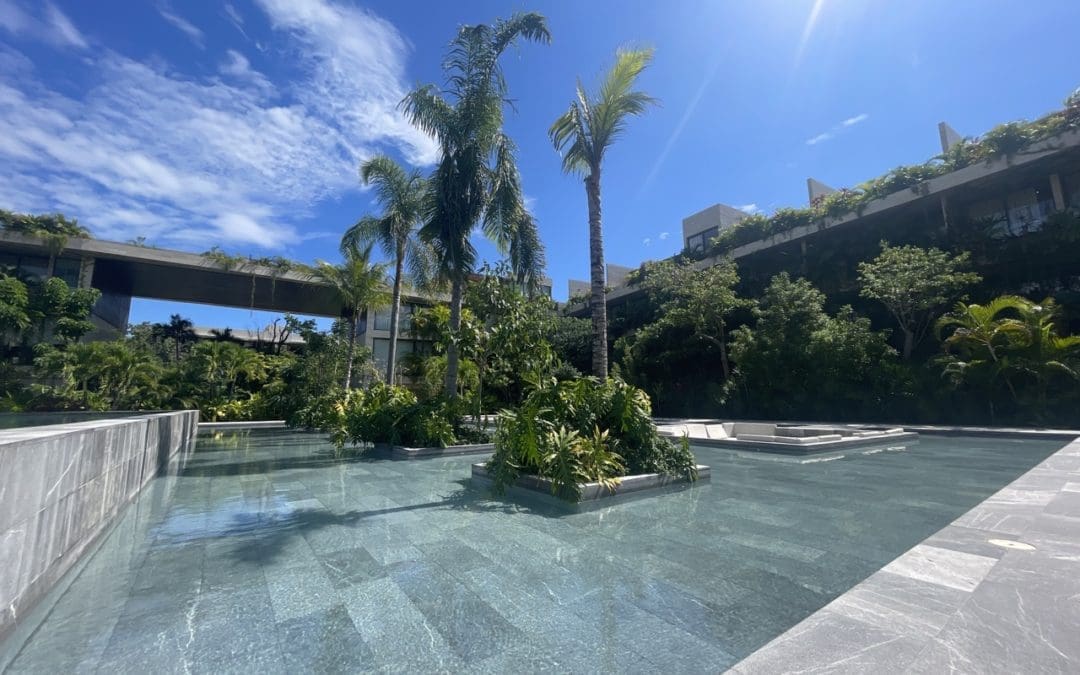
x,y
386,414
585,430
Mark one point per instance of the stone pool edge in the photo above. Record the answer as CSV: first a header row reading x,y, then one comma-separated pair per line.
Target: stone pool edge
x,y
65,485
947,600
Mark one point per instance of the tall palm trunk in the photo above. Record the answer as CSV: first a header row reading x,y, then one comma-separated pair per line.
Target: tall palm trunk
x,y
352,349
452,353
598,298
395,313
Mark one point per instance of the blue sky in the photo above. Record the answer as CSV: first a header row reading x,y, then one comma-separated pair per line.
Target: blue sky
x,y
242,123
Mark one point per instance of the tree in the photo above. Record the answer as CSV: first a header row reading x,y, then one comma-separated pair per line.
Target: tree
x,y
914,284
797,361
180,331
401,195
583,135
360,285
774,360
701,299
60,313
14,306
571,339
476,179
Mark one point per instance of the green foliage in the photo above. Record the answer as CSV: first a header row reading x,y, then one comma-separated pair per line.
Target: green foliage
x,y
571,341
797,362
386,414
914,284
476,180
14,308
58,313
1004,140
583,430
1011,352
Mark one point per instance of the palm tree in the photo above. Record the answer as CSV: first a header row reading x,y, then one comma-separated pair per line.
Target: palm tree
x,y
476,180
583,135
179,330
360,285
401,195
1010,338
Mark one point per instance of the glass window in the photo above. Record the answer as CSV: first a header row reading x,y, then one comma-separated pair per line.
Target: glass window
x,y
380,352
404,347
33,266
382,319
405,320
695,242
68,270
1027,209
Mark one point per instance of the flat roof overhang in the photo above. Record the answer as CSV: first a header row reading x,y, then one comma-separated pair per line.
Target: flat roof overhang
x,y
164,274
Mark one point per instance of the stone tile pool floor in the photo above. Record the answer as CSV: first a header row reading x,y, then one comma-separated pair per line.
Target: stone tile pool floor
x,y
268,555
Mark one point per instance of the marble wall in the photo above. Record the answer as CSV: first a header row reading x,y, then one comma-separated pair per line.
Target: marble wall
x,y
61,486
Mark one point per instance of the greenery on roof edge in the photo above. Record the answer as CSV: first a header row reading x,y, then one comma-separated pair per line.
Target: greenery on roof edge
x,y
1006,140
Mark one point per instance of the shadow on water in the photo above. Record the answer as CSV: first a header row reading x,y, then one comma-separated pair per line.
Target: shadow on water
x,y
263,539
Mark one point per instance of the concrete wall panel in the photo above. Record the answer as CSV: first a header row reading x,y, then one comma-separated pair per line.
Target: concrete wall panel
x,y
62,486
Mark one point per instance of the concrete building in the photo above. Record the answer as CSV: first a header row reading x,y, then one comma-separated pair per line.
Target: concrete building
x,y
702,227
615,276
1009,196
125,271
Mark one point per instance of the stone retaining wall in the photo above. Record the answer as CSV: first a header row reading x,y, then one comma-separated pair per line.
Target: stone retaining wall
x,y
61,486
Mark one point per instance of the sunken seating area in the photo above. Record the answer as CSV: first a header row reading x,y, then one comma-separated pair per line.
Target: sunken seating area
x,y
784,438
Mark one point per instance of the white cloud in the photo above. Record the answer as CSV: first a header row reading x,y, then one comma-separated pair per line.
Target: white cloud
x,y
664,235
646,241
356,65
54,28
750,208
837,128
233,14
63,27
144,151
182,24
852,121
238,67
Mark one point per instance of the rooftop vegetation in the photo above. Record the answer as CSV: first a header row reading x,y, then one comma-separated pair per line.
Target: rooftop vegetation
x,y
1004,140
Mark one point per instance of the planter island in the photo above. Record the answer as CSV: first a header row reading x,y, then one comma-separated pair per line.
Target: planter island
x,y
593,495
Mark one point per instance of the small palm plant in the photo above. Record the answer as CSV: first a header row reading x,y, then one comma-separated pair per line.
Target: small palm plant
x,y
360,285
401,195
583,134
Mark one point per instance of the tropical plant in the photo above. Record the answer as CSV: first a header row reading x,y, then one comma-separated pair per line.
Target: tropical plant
x,y
386,414
401,194
584,430
1010,341
179,331
476,180
54,229
583,135
914,284
360,286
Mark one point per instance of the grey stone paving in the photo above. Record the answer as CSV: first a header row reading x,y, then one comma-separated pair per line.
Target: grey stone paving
x,y
268,555
996,591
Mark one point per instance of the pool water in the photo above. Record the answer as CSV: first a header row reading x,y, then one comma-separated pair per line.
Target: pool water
x,y
267,554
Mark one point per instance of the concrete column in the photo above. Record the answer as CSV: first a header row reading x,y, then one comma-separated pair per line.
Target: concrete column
x,y
86,273
1058,192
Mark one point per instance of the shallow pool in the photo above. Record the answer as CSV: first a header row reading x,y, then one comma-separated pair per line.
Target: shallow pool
x,y
266,554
